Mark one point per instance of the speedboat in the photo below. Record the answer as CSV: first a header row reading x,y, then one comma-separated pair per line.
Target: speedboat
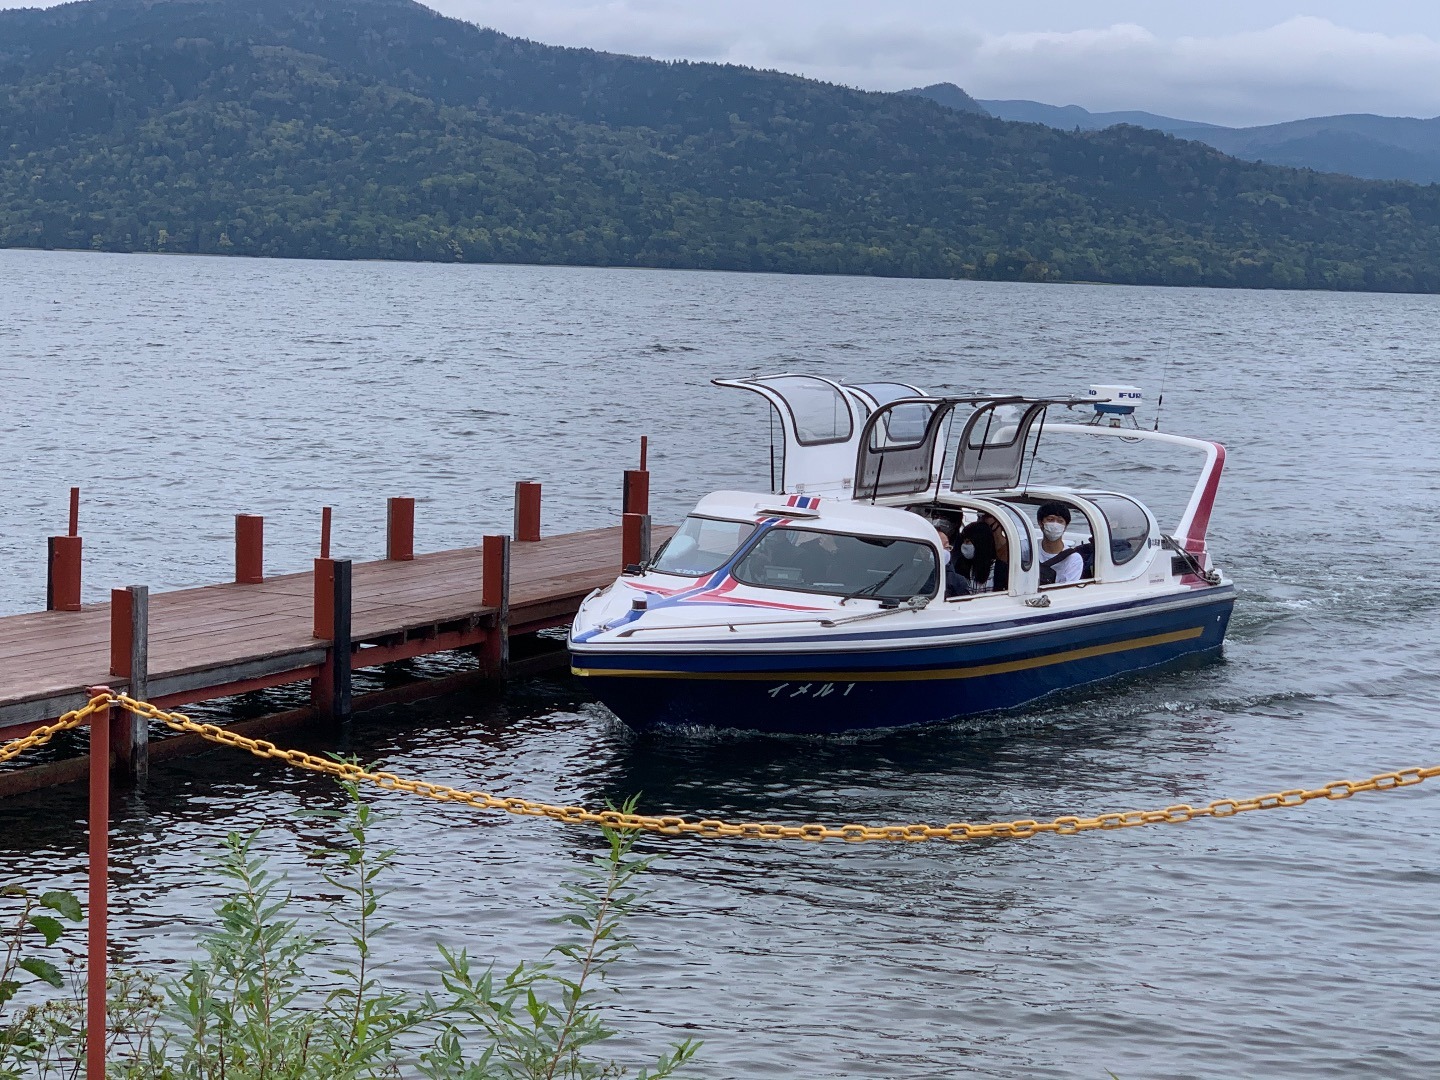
x,y
826,604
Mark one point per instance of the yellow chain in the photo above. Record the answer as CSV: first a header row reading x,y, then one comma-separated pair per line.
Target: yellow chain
x,y
679,826
41,735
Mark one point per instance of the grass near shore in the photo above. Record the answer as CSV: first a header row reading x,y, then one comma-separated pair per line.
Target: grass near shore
x,y
276,997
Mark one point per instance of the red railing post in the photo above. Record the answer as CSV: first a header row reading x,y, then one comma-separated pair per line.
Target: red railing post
x,y
249,549
95,976
74,512
325,532
527,510
400,529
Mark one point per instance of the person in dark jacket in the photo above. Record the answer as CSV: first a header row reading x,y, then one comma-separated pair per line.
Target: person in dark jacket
x,y
975,557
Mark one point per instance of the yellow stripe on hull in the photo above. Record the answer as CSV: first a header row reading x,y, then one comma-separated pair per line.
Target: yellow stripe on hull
x,y
974,672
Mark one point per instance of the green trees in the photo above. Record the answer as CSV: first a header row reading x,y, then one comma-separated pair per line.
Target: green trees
x,y
377,129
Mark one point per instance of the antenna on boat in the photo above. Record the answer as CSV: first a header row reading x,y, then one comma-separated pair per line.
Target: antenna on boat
x,y
1160,401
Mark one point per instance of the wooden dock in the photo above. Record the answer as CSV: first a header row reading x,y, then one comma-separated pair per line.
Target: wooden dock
x,y
216,641
226,639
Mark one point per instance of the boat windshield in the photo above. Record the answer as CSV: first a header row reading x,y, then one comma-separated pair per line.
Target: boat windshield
x,y
809,561
701,546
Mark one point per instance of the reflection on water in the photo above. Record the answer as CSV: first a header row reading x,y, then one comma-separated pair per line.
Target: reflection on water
x,y
1274,945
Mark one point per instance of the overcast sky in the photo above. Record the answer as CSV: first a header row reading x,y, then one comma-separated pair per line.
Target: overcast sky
x,y
1223,61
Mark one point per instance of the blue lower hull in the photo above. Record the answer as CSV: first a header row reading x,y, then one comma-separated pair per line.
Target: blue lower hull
x,y
834,692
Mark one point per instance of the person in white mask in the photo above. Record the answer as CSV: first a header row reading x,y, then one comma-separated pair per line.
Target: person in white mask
x,y
975,558
1059,564
955,584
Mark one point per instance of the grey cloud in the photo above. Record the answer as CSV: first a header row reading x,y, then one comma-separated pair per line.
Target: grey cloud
x,y
1301,66
894,46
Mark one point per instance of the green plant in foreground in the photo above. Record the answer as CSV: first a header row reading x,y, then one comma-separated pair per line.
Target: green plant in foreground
x,y
272,1000
538,1021
135,1047
21,1042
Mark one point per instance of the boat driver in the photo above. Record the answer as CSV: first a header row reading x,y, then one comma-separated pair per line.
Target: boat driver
x,y
815,554
1059,565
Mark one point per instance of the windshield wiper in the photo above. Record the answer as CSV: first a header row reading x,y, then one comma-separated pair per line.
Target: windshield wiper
x,y
915,603
874,587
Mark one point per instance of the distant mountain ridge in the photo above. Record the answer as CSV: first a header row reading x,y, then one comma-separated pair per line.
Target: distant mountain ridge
x,y
1073,116
379,129
1359,144
951,96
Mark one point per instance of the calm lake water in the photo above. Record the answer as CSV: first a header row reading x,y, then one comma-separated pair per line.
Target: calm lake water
x,y
180,391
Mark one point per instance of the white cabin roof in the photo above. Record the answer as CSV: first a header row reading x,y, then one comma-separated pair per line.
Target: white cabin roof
x,y
810,511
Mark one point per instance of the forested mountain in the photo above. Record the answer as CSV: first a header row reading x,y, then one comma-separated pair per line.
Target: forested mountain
x,y
1378,147
377,128
1358,144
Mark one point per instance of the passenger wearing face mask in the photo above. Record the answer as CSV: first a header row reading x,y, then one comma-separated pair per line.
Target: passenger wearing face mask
x,y
955,584
1059,565
976,561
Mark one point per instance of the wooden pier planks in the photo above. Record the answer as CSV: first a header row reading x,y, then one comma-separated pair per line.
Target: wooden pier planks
x,y
220,634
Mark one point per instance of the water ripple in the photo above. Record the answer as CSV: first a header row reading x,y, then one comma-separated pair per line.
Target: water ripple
x,y
178,392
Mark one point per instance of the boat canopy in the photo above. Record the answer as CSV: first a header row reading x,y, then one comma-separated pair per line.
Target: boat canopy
x,y
820,421
871,395
902,450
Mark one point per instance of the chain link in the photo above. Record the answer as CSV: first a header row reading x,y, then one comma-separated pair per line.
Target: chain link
x,y
668,825
43,734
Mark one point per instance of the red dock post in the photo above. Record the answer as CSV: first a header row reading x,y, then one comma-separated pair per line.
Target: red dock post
x,y
527,510
62,578
495,592
121,628
324,624
332,690
636,496
494,570
400,529
130,660
324,532
249,549
636,499
634,539
98,929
